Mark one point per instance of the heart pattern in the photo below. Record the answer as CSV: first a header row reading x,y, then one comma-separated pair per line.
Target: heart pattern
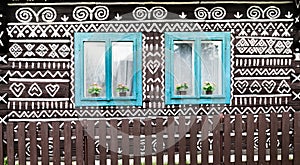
x,y
241,86
255,87
52,89
35,90
17,89
269,85
153,66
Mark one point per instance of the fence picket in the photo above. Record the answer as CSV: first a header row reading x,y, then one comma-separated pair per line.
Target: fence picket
x,y
297,138
227,139
67,142
238,126
114,141
148,138
21,143
182,140
193,140
90,147
216,140
125,142
273,136
10,143
136,142
171,141
285,142
250,141
159,145
102,141
33,143
79,143
56,143
262,139
45,143
1,144
204,139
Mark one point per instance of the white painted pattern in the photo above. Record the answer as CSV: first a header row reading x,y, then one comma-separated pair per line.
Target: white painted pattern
x,y
26,14
142,13
83,13
215,13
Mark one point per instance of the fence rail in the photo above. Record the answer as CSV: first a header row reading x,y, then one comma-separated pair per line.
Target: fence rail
x,y
240,139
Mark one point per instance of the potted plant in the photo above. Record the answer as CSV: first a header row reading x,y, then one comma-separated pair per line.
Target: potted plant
x,y
209,87
122,89
94,89
181,89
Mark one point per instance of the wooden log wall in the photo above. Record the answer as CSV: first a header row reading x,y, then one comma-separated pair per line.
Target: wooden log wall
x,y
37,56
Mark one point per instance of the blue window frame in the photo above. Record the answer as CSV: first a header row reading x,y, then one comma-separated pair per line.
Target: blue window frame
x,y
194,59
108,69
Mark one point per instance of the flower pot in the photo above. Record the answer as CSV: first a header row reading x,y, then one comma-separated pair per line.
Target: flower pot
x,y
95,95
208,92
122,94
181,92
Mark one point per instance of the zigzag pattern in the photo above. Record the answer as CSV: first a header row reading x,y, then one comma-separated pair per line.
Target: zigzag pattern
x,y
264,72
39,73
72,77
43,114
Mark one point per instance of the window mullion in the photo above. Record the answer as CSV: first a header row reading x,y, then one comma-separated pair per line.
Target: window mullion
x,y
108,62
197,67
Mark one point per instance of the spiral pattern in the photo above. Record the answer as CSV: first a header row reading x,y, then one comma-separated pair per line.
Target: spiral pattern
x,y
218,12
254,12
101,12
24,15
201,13
140,13
272,12
81,13
48,14
159,12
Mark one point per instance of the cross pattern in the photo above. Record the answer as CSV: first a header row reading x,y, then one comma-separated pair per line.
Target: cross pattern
x,y
297,78
2,59
297,95
2,98
2,79
1,43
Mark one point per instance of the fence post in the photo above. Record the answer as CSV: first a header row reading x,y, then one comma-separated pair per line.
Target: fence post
x,y
297,138
1,144
10,143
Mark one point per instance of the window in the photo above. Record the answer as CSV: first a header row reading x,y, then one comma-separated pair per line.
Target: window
x,y
108,69
197,62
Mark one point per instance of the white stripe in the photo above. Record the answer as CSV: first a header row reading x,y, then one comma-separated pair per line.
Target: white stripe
x,y
262,78
38,99
151,3
270,95
156,21
39,59
261,37
39,41
264,56
38,80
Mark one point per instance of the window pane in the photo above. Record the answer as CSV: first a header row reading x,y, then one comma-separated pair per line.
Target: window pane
x,y
122,67
184,67
94,66
211,64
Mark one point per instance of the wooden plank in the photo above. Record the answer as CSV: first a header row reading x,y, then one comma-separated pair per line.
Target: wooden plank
x,y
79,143
159,144
1,144
193,140
204,139
171,141
273,140
297,138
250,139
102,142
182,140
90,150
148,134
45,143
21,143
262,139
33,143
56,143
136,142
285,141
216,140
67,142
238,138
125,142
114,141
10,143
227,139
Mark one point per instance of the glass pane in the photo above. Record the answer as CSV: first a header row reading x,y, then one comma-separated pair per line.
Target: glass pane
x,y
122,68
184,67
211,65
94,69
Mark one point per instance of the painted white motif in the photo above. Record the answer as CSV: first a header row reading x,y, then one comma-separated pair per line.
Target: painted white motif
x,y
35,90
29,51
241,86
284,87
83,13
153,66
26,14
255,87
17,89
296,78
3,59
2,98
53,53
15,50
269,85
1,34
52,89
41,50
296,95
142,13
215,13
256,12
64,50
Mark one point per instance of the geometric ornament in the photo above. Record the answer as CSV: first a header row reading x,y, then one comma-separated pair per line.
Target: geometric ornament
x,y
15,50
17,89
41,50
52,89
35,90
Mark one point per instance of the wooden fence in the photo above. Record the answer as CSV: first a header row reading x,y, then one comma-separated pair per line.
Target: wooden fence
x,y
261,139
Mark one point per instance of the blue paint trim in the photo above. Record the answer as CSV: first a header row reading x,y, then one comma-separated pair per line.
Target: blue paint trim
x,y
108,100
197,37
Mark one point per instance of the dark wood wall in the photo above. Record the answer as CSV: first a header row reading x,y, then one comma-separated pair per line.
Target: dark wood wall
x,y
39,56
